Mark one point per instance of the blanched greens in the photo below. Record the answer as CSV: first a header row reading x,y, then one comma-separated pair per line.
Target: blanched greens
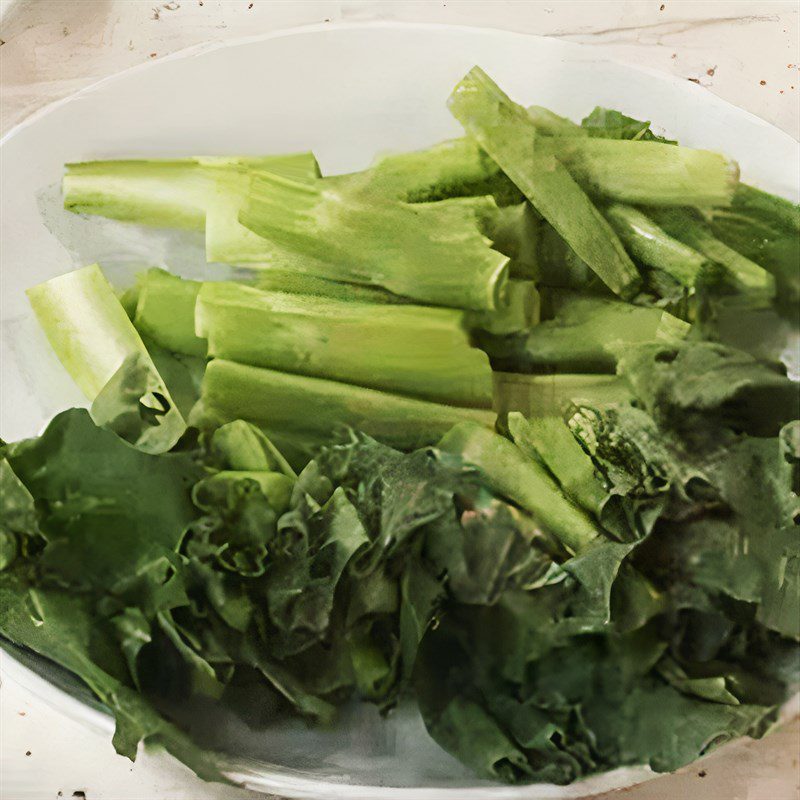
x,y
87,327
292,494
413,350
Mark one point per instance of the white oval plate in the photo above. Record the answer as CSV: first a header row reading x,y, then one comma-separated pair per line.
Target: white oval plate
x,y
347,92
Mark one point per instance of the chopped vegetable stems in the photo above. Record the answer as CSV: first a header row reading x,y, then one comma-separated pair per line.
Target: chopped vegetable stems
x,y
652,246
412,350
313,407
509,136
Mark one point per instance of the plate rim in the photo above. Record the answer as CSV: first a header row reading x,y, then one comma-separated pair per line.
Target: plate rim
x,y
202,48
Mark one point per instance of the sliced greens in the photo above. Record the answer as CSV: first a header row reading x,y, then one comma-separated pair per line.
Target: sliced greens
x,y
507,133
654,247
506,428
431,252
164,312
587,333
95,341
170,193
307,409
520,479
413,350
689,228
646,172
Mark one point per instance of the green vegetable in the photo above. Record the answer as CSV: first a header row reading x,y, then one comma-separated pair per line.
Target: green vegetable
x,y
456,168
705,388
239,446
170,193
615,169
508,135
652,246
227,239
276,280
64,629
437,254
549,395
764,205
514,476
752,323
275,486
309,408
159,193
412,350
605,574
687,227
70,304
516,230
763,228
520,310
164,312
646,172
639,468
102,491
95,341
586,333
606,123
549,440
750,553
714,688
19,513
551,124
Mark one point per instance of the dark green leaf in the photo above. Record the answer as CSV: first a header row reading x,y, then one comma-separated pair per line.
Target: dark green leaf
x,y
105,507
606,123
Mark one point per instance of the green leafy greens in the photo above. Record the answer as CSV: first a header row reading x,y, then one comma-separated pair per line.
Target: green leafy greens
x,y
506,427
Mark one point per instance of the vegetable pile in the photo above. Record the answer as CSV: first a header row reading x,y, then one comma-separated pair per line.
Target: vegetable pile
x,y
503,425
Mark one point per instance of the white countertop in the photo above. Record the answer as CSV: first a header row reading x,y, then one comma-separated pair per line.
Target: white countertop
x,y
746,52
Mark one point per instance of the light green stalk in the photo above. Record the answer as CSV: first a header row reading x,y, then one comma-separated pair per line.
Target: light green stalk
x,y
688,227
202,193
586,333
647,173
164,312
412,350
548,123
227,240
515,230
431,252
768,206
655,247
307,409
522,480
278,280
506,132
551,441
165,194
86,326
549,395
520,310
455,168
168,193
242,446
96,342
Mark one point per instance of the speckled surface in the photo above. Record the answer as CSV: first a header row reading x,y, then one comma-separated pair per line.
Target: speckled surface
x,y
746,52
